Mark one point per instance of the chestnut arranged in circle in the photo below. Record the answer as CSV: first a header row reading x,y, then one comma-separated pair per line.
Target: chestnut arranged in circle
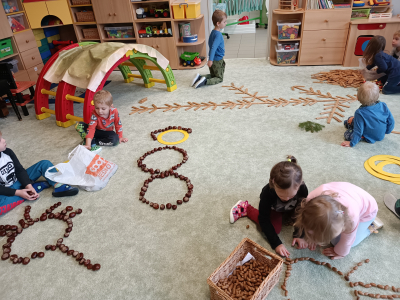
x,y
153,134
12,231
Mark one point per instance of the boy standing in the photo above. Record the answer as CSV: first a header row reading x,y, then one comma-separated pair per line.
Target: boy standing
x,y
16,182
102,122
396,45
216,63
371,121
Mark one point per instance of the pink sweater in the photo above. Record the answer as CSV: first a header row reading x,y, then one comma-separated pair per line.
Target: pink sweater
x,y
361,207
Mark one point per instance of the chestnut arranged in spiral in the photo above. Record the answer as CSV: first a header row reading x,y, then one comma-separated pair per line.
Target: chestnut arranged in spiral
x,y
154,136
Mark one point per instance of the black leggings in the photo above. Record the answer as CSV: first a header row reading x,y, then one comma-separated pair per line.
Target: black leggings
x,y
103,138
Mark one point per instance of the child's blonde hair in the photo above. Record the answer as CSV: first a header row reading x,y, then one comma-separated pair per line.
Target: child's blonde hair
x,y
321,218
285,174
397,33
218,16
103,96
368,93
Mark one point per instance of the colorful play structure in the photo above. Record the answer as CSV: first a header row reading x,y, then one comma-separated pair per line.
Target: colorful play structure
x,y
64,103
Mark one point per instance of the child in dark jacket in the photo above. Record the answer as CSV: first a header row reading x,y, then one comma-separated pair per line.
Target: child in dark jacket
x,y
371,121
16,183
282,195
385,63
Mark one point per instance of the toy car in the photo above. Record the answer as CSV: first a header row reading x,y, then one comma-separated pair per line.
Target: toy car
x,y
145,32
161,13
190,58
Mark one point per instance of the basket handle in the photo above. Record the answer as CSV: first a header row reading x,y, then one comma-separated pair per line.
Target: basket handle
x,y
180,4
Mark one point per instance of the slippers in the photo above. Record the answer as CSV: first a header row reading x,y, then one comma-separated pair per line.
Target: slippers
x,y
40,186
392,203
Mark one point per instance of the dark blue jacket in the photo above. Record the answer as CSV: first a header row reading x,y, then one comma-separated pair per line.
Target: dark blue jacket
x,y
386,64
372,122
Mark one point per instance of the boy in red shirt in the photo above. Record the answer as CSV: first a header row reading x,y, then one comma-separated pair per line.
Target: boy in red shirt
x,y
100,130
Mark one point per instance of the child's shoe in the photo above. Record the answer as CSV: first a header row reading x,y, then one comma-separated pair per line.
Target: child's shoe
x,y
195,79
63,190
80,129
238,211
40,186
96,149
201,82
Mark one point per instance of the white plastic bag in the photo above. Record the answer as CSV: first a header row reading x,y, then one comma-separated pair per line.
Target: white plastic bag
x,y
85,169
369,75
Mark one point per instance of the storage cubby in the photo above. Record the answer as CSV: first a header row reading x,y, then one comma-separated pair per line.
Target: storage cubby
x,y
93,33
104,37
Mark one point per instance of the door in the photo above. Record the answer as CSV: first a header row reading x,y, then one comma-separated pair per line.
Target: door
x,y
59,9
166,46
116,11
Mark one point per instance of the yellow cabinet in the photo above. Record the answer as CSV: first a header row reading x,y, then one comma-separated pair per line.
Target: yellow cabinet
x,y
36,11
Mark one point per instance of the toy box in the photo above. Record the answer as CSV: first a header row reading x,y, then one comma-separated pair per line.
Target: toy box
x,y
6,47
286,57
288,29
189,9
10,6
261,255
361,13
13,62
190,39
16,22
288,46
119,32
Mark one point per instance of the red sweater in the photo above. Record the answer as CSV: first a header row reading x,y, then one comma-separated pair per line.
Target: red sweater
x,y
97,122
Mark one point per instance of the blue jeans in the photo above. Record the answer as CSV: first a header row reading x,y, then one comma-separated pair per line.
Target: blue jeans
x,y
392,86
362,233
7,203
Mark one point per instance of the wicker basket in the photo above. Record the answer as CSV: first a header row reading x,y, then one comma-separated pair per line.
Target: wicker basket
x,y
80,2
85,16
261,255
90,33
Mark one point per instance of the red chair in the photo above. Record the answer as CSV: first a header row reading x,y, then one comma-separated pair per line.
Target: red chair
x,y
16,88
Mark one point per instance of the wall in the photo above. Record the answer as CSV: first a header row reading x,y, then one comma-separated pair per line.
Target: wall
x,y
396,7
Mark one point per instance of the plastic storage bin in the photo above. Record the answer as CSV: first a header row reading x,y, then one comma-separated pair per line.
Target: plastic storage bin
x,y
14,63
361,13
6,47
186,9
119,32
288,46
193,9
288,29
17,22
178,8
286,57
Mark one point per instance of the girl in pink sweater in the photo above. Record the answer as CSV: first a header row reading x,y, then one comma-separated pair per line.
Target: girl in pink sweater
x,y
336,212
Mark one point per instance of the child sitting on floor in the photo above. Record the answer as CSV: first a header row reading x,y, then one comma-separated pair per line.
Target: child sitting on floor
x,y
280,196
101,127
336,212
375,57
16,182
396,45
216,62
371,121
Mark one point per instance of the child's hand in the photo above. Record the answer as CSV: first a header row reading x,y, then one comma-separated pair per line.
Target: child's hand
x,y
210,63
312,246
350,120
302,244
31,191
331,253
88,147
345,144
282,251
27,194
123,140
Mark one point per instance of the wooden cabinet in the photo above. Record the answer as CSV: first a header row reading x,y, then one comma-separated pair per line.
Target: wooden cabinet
x,y
166,46
5,30
36,11
323,19
25,40
35,71
324,39
116,11
31,58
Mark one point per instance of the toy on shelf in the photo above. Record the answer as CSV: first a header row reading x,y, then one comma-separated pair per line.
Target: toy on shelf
x,y
16,22
9,6
379,2
155,31
50,21
288,29
61,44
119,32
286,57
358,3
161,13
153,12
140,14
190,59
291,5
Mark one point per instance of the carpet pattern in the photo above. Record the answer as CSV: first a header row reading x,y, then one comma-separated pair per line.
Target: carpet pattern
x,y
153,254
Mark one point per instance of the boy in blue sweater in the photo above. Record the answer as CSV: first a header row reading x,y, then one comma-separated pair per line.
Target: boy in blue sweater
x,y
216,63
371,121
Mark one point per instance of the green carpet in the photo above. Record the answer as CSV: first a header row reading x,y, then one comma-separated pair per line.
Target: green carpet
x,y
149,254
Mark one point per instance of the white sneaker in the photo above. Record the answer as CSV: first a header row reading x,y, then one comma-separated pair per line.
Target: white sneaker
x,y
195,79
